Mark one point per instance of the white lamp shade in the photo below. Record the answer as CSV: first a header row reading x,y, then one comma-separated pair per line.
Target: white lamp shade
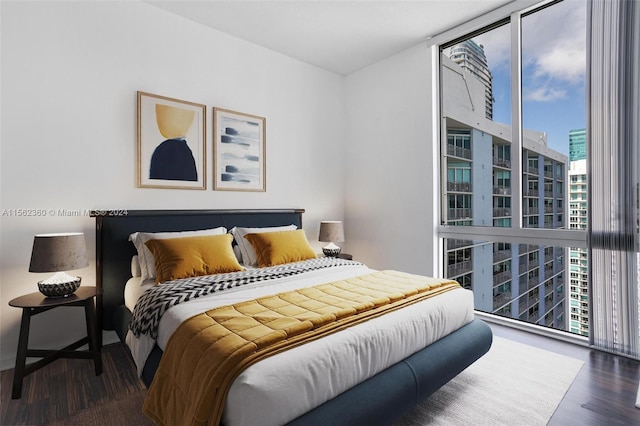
x,y
331,231
58,252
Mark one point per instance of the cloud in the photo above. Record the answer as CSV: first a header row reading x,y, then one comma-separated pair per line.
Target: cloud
x,y
554,44
544,94
497,47
563,62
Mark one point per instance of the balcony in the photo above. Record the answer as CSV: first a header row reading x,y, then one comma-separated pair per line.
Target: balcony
x,y
501,190
501,255
500,300
460,268
548,320
533,282
501,162
459,186
501,212
527,266
548,288
501,277
456,151
463,213
532,193
524,307
455,244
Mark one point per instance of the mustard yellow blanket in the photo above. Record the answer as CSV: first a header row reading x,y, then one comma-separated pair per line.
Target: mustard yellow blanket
x,y
209,350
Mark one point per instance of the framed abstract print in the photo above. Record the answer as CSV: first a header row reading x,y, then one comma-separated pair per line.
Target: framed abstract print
x,y
238,151
171,143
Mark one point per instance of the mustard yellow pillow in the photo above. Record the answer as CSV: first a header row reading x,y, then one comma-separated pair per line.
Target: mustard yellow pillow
x,y
276,248
177,258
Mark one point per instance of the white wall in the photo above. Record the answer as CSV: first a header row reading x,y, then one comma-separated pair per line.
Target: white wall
x,y
390,200
70,72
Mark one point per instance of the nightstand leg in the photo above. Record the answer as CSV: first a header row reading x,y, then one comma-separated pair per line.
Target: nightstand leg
x,y
90,314
21,358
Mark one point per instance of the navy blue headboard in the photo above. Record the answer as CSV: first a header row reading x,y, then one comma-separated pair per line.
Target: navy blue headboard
x,y
114,250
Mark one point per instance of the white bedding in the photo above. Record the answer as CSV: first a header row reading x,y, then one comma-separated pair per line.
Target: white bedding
x,y
282,387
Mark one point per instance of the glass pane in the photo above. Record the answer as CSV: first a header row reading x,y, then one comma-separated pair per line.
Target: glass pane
x,y
476,102
527,282
521,281
554,110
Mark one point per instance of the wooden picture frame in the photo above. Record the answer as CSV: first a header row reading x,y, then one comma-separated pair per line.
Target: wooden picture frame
x,y
172,136
239,151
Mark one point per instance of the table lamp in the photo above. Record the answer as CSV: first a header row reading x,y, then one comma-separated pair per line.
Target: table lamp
x,y
58,253
332,232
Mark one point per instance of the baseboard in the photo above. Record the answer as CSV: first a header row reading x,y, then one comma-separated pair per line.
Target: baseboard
x,y
564,336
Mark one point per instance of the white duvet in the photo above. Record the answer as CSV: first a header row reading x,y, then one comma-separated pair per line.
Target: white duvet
x,y
281,388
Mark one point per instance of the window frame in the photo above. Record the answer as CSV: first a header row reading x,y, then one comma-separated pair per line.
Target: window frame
x,y
518,232
565,238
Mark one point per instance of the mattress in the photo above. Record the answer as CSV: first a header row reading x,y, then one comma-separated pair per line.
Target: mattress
x,y
283,387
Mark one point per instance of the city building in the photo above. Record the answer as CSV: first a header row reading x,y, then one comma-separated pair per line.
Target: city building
x,y
578,144
470,56
578,261
520,281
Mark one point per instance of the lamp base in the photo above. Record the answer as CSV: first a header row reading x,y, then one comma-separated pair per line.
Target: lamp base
x,y
331,250
64,289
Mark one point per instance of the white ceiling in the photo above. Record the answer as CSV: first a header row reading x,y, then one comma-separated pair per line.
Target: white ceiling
x,y
339,36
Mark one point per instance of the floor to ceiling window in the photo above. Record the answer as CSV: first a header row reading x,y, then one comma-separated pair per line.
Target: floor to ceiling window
x,y
513,107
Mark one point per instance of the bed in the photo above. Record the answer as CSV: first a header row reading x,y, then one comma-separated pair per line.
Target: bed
x,y
383,392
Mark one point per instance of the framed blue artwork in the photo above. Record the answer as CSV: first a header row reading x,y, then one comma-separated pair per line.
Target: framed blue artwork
x,y
239,154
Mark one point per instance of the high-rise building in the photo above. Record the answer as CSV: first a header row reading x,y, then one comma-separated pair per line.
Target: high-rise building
x,y
577,144
470,56
520,281
578,263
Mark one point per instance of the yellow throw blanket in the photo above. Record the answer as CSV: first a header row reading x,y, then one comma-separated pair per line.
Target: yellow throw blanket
x,y
208,351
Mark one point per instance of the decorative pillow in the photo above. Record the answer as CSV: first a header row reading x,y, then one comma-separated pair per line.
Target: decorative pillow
x,y
193,256
276,248
249,257
147,263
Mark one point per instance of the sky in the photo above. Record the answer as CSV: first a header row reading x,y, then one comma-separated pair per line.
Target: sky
x,y
553,76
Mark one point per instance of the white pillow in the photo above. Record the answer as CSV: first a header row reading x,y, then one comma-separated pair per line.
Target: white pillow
x,y
135,267
249,257
147,262
238,253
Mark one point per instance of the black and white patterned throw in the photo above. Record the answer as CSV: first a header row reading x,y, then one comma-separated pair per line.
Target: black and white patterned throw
x,y
157,300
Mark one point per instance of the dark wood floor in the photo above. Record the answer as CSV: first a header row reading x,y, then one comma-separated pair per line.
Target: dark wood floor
x,y
603,393
66,387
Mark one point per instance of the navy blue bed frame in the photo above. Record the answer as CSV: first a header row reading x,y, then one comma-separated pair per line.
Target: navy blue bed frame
x,y
377,401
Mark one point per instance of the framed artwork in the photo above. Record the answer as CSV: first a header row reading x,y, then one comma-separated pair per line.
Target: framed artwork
x,y
238,151
171,143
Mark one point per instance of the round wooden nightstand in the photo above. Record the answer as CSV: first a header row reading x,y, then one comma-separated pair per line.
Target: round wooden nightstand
x,y
36,303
